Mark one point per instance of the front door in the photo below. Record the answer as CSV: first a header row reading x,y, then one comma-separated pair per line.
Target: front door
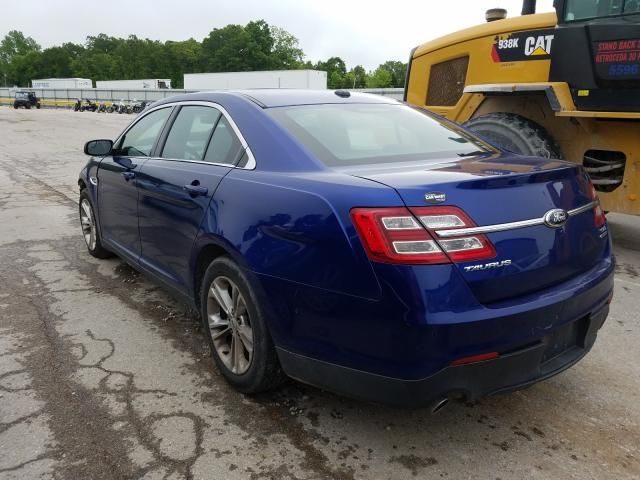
x,y
177,185
117,183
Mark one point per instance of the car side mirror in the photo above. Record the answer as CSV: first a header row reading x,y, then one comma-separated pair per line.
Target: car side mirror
x,y
98,148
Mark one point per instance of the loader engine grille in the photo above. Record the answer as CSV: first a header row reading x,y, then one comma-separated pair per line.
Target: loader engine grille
x,y
606,168
446,82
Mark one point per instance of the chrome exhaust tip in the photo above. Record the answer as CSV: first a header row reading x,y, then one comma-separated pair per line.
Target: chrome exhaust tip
x,y
439,405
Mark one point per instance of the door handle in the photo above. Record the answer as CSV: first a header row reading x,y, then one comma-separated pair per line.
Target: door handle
x,y
196,190
128,175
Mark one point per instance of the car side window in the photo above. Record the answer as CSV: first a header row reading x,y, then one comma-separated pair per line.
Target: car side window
x,y
190,133
139,139
244,160
225,146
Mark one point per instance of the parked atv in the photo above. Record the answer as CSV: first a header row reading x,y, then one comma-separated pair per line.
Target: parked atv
x,y
88,105
121,107
82,105
26,100
137,106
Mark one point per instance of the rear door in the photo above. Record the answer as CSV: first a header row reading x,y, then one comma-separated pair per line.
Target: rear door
x,y
198,148
117,182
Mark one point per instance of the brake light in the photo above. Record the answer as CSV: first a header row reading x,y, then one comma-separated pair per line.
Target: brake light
x,y
458,249
400,235
598,214
393,235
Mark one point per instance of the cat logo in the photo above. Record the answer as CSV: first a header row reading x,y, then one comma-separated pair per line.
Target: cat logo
x,y
540,45
523,46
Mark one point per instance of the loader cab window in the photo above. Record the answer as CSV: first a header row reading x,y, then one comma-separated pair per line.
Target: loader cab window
x,y
579,10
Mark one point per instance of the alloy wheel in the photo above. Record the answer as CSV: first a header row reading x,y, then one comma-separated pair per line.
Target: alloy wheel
x,y
88,224
230,325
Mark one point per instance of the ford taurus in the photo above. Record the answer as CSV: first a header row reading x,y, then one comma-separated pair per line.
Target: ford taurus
x,y
354,243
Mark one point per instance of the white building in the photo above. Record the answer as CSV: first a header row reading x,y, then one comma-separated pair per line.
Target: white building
x,y
306,79
134,84
62,83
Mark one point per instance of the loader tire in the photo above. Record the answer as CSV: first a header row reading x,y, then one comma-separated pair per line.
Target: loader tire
x,y
515,133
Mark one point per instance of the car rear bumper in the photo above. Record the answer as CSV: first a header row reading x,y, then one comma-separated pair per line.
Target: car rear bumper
x,y
510,371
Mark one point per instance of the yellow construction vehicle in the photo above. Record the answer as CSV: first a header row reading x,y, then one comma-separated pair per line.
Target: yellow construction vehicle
x,y
564,84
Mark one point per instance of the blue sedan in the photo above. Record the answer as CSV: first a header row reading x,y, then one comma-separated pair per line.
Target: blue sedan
x,y
354,243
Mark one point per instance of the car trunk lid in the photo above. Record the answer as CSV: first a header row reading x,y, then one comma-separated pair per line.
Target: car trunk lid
x,y
511,196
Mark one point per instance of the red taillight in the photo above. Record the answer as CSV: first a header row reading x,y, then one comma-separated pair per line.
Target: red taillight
x,y
476,358
397,235
393,235
458,249
598,215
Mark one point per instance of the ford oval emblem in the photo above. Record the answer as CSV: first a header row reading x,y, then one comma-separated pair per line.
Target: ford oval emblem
x,y
555,218
435,197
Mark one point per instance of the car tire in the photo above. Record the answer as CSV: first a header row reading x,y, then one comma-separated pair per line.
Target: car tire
x,y
255,367
38,106
516,134
89,226
27,106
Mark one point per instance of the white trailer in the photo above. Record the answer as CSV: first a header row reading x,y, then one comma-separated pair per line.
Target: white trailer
x,y
134,84
62,83
305,79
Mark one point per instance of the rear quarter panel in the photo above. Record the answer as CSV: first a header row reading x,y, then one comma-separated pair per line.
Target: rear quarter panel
x,y
294,237
297,228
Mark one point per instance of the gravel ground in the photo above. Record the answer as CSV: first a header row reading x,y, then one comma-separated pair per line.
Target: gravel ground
x,y
104,376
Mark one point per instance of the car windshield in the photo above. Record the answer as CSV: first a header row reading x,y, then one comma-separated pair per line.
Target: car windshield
x,y
359,134
22,95
577,10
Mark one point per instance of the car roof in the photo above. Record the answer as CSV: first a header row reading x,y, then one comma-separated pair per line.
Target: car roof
x,y
280,97
276,97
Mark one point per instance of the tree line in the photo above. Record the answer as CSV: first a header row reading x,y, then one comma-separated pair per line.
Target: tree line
x,y
233,48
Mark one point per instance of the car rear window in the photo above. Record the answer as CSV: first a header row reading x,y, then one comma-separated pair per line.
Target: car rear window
x,y
357,134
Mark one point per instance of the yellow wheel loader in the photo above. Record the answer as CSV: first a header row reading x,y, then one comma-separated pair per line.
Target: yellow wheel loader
x,y
564,84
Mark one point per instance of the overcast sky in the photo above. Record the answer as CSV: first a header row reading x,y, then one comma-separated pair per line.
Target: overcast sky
x,y
360,32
